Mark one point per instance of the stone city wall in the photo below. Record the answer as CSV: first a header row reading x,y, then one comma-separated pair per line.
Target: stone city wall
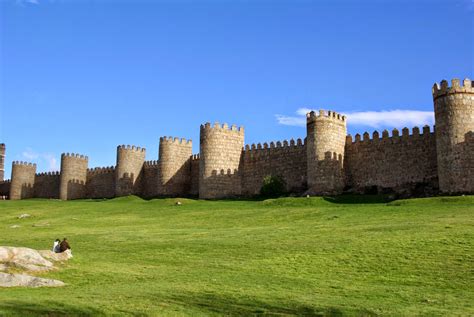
x,y
174,159
2,161
23,180
325,142
328,162
464,155
194,188
397,163
151,186
100,182
5,188
73,177
47,185
284,159
454,114
220,149
130,161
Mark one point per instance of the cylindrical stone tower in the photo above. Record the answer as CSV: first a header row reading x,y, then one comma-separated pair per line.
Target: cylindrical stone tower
x,y
175,171
72,181
2,162
220,152
454,121
23,180
326,139
130,160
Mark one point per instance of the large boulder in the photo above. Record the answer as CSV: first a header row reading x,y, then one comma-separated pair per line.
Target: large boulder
x,y
57,257
31,261
15,280
24,258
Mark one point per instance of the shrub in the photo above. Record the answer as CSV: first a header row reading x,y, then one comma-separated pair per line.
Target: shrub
x,y
273,186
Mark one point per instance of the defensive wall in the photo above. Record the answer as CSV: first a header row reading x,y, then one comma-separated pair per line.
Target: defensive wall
x,y
400,163
413,162
2,161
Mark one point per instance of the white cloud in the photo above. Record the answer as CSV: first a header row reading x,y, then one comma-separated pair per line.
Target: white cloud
x,y
47,161
29,154
374,119
292,121
52,162
394,118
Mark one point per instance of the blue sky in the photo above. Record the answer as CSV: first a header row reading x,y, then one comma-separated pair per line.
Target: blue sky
x,y
86,76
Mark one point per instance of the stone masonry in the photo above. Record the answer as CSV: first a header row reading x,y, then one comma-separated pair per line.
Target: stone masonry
x,y
326,139
454,112
130,161
221,150
409,163
2,162
23,180
73,176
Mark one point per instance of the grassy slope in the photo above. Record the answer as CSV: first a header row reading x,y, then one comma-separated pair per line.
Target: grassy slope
x,y
288,256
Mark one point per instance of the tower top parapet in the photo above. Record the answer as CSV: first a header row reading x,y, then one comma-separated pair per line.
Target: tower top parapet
x,y
131,148
323,114
24,163
225,127
75,155
175,140
443,87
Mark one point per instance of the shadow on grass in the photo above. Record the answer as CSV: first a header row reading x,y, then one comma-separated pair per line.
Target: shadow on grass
x,y
49,309
358,199
228,306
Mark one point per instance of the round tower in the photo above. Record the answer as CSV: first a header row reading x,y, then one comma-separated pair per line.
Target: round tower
x,y
175,170
326,139
72,181
220,151
23,180
2,162
130,160
454,121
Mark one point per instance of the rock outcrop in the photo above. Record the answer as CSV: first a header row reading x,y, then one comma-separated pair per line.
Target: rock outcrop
x,y
15,280
24,258
28,260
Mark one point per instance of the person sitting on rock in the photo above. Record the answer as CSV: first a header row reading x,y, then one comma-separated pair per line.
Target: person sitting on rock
x,y
64,246
56,247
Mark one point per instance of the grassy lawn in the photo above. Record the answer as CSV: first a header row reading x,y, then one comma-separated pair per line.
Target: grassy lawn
x,y
349,256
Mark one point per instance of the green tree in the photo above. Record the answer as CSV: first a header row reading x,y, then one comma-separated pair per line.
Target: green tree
x,y
273,186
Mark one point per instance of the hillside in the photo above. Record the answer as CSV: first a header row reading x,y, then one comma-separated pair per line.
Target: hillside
x,y
289,256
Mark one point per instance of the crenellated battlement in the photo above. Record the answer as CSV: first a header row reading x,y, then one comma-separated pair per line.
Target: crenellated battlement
x,y
76,181
418,161
223,127
23,180
386,136
443,88
285,144
176,140
55,173
130,148
21,163
324,115
75,156
225,172
130,163
100,170
151,164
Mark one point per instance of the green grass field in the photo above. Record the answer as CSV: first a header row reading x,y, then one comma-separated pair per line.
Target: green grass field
x,y
348,256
